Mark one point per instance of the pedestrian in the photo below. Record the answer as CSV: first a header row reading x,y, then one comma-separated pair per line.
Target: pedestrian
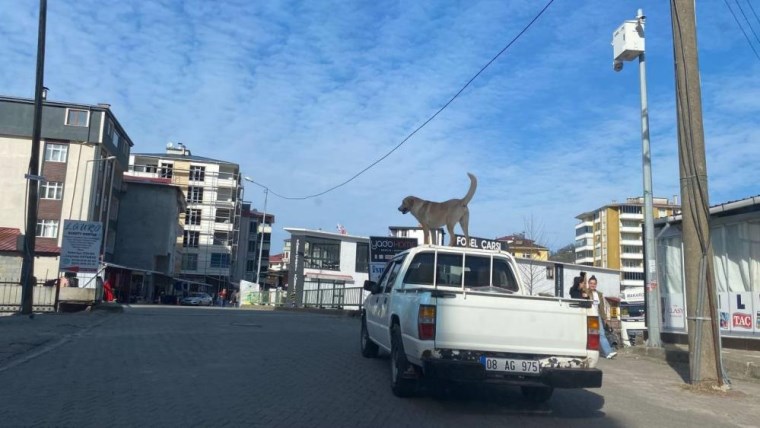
x,y
598,298
579,289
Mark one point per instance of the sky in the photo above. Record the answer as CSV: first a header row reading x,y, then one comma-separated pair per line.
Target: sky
x,y
305,94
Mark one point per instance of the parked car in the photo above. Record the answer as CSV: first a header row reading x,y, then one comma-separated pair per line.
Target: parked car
x,y
197,299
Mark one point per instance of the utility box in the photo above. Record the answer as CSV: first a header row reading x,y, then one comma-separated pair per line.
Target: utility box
x,y
628,41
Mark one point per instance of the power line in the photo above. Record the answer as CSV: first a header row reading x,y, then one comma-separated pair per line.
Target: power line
x,y
749,24
753,11
430,119
742,28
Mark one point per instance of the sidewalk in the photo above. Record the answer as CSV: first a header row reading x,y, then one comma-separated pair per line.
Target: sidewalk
x,y
739,364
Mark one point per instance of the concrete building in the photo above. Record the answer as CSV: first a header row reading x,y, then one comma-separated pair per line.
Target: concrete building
x,y
83,153
211,222
326,269
252,226
146,245
611,237
735,237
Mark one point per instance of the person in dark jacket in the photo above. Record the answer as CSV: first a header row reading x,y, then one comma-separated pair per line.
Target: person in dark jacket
x,y
579,290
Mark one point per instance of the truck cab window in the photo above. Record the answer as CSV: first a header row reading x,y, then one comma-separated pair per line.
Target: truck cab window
x,y
421,269
503,277
449,270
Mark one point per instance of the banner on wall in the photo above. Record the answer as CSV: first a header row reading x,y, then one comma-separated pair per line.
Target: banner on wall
x,y
382,249
724,311
741,311
673,312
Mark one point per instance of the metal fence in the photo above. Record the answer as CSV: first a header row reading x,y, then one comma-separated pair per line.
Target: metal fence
x,y
334,297
266,298
43,298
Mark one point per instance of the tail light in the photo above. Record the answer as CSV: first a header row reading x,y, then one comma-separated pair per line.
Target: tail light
x,y
426,322
592,333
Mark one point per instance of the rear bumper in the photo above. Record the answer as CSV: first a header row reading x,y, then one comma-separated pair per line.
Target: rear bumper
x,y
468,371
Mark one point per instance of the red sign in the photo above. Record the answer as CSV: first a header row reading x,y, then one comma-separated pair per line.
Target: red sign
x,y
743,321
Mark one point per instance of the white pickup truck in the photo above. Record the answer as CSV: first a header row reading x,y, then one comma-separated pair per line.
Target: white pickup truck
x,y
448,314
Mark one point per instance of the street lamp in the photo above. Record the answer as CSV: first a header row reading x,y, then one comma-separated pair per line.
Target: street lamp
x,y
628,44
263,225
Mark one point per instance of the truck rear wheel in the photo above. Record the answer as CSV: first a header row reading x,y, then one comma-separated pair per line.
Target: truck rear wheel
x,y
369,348
402,383
537,394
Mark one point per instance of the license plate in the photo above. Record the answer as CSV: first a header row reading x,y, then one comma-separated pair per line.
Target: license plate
x,y
511,365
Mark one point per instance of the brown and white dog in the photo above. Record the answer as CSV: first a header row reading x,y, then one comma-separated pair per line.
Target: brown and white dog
x,y
433,215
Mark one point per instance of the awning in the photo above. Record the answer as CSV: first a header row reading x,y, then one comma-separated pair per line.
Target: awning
x,y
330,276
147,271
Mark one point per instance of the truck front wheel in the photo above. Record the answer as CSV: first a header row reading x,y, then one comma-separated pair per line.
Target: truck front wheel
x,y
537,394
403,374
369,348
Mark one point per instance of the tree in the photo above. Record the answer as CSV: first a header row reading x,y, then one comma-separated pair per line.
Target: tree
x,y
565,254
533,273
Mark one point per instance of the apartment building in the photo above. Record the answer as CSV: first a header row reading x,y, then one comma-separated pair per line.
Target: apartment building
x,y
612,237
211,221
253,254
84,152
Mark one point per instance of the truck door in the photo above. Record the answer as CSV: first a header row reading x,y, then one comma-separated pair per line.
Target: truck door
x,y
384,301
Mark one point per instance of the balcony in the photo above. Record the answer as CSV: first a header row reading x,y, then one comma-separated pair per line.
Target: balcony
x,y
632,256
630,229
633,243
631,216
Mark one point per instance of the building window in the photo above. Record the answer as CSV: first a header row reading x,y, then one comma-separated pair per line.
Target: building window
x,y
221,238
250,265
167,170
195,194
51,190
630,209
189,262
193,216
322,254
191,239
362,257
56,152
220,260
223,215
47,228
633,276
76,117
252,246
152,168
197,173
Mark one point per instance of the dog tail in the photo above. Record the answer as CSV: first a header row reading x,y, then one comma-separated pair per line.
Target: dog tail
x,y
471,192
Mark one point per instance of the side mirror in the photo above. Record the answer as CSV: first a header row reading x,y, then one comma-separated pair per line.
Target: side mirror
x,y
369,285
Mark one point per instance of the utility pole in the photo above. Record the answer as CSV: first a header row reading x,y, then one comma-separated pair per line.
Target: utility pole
x,y
261,243
33,178
705,364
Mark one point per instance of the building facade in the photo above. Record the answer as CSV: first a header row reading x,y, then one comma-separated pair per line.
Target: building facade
x,y
211,221
327,269
84,152
253,227
521,247
735,238
146,245
612,237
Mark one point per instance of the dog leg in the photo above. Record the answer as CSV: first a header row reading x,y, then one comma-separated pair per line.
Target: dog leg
x,y
464,222
426,235
452,236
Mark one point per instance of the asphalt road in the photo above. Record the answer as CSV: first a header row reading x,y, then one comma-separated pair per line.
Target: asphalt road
x,y
172,366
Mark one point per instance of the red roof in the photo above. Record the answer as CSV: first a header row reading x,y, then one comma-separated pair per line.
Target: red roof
x,y
276,258
9,238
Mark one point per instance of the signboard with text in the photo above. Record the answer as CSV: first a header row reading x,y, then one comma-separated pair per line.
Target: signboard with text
x,y
80,249
480,243
382,249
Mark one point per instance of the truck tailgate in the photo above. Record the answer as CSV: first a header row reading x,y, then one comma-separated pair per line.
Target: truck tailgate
x,y
510,324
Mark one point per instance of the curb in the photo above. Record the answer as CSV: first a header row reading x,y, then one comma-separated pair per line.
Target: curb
x,y
337,312
735,367
108,307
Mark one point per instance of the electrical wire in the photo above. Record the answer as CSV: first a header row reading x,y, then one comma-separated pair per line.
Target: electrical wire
x,y
749,24
742,28
430,119
753,11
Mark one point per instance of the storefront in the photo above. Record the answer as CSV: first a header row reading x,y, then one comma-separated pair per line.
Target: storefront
x,y
735,236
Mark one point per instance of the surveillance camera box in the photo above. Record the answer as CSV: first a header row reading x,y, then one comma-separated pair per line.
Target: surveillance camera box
x,y
628,41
